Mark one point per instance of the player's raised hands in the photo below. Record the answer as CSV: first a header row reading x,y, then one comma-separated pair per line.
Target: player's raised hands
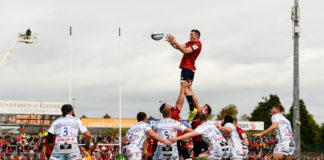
x,y
170,38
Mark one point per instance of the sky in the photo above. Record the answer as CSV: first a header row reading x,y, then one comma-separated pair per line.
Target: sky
x,y
247,53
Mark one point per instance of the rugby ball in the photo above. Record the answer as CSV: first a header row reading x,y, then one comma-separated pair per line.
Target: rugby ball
x,y
157,36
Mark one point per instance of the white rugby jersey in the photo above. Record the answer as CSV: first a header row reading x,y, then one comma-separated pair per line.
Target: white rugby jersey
x,y
284,131
233,138
66,130
137,135
210,134
167,128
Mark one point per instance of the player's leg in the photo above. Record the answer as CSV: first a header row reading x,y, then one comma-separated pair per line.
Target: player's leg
x,y
278,156
184,151
196,148
200,147
281,150
287,157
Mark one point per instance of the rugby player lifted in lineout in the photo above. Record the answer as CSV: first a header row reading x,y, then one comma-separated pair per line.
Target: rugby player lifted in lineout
x,y
191,51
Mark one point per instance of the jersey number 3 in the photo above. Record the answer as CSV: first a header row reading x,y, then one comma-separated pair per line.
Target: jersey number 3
x,y
65,131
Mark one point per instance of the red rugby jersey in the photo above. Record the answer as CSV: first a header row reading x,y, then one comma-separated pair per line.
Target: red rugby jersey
x,y
188,60
175,114
150,142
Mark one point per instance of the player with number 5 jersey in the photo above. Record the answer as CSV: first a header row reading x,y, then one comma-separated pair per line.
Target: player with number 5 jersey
x,y
134,140
167,128
66,129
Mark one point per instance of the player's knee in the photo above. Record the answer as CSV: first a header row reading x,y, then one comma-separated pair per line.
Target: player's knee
x,y
184,84
277,156
287,157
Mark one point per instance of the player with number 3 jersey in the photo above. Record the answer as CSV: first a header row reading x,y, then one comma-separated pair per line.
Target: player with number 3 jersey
x,y
66,129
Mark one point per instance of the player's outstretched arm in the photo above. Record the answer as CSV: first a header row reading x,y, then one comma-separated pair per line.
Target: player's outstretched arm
x,y
185,136
88,139
172,40
188,130
44,151
273,126
246,141
158,138
145,149
180,99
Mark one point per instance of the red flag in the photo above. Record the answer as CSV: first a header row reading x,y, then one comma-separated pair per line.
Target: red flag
x,y
70,31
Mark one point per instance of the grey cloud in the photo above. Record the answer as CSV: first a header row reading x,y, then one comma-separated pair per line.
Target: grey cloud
x,y
247,53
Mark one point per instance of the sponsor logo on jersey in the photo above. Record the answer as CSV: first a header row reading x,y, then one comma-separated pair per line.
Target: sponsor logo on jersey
x,y
220,138
65,139
195,47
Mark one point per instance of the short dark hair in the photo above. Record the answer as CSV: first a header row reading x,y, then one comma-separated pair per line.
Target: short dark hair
x,y
197,32
280,107
141,116
209,110
162,107
228,119
166,112
66,108
202,116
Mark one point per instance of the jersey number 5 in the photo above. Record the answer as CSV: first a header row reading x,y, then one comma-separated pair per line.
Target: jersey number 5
x,y
166,133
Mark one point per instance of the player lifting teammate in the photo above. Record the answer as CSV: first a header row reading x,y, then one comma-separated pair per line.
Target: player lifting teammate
x,y
281,126
66,130
191,51
199,146
168,128
218,146
134,140
175,114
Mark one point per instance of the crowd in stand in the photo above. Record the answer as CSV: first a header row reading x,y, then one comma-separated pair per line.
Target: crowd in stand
x,y
104,148
14,147
17,147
